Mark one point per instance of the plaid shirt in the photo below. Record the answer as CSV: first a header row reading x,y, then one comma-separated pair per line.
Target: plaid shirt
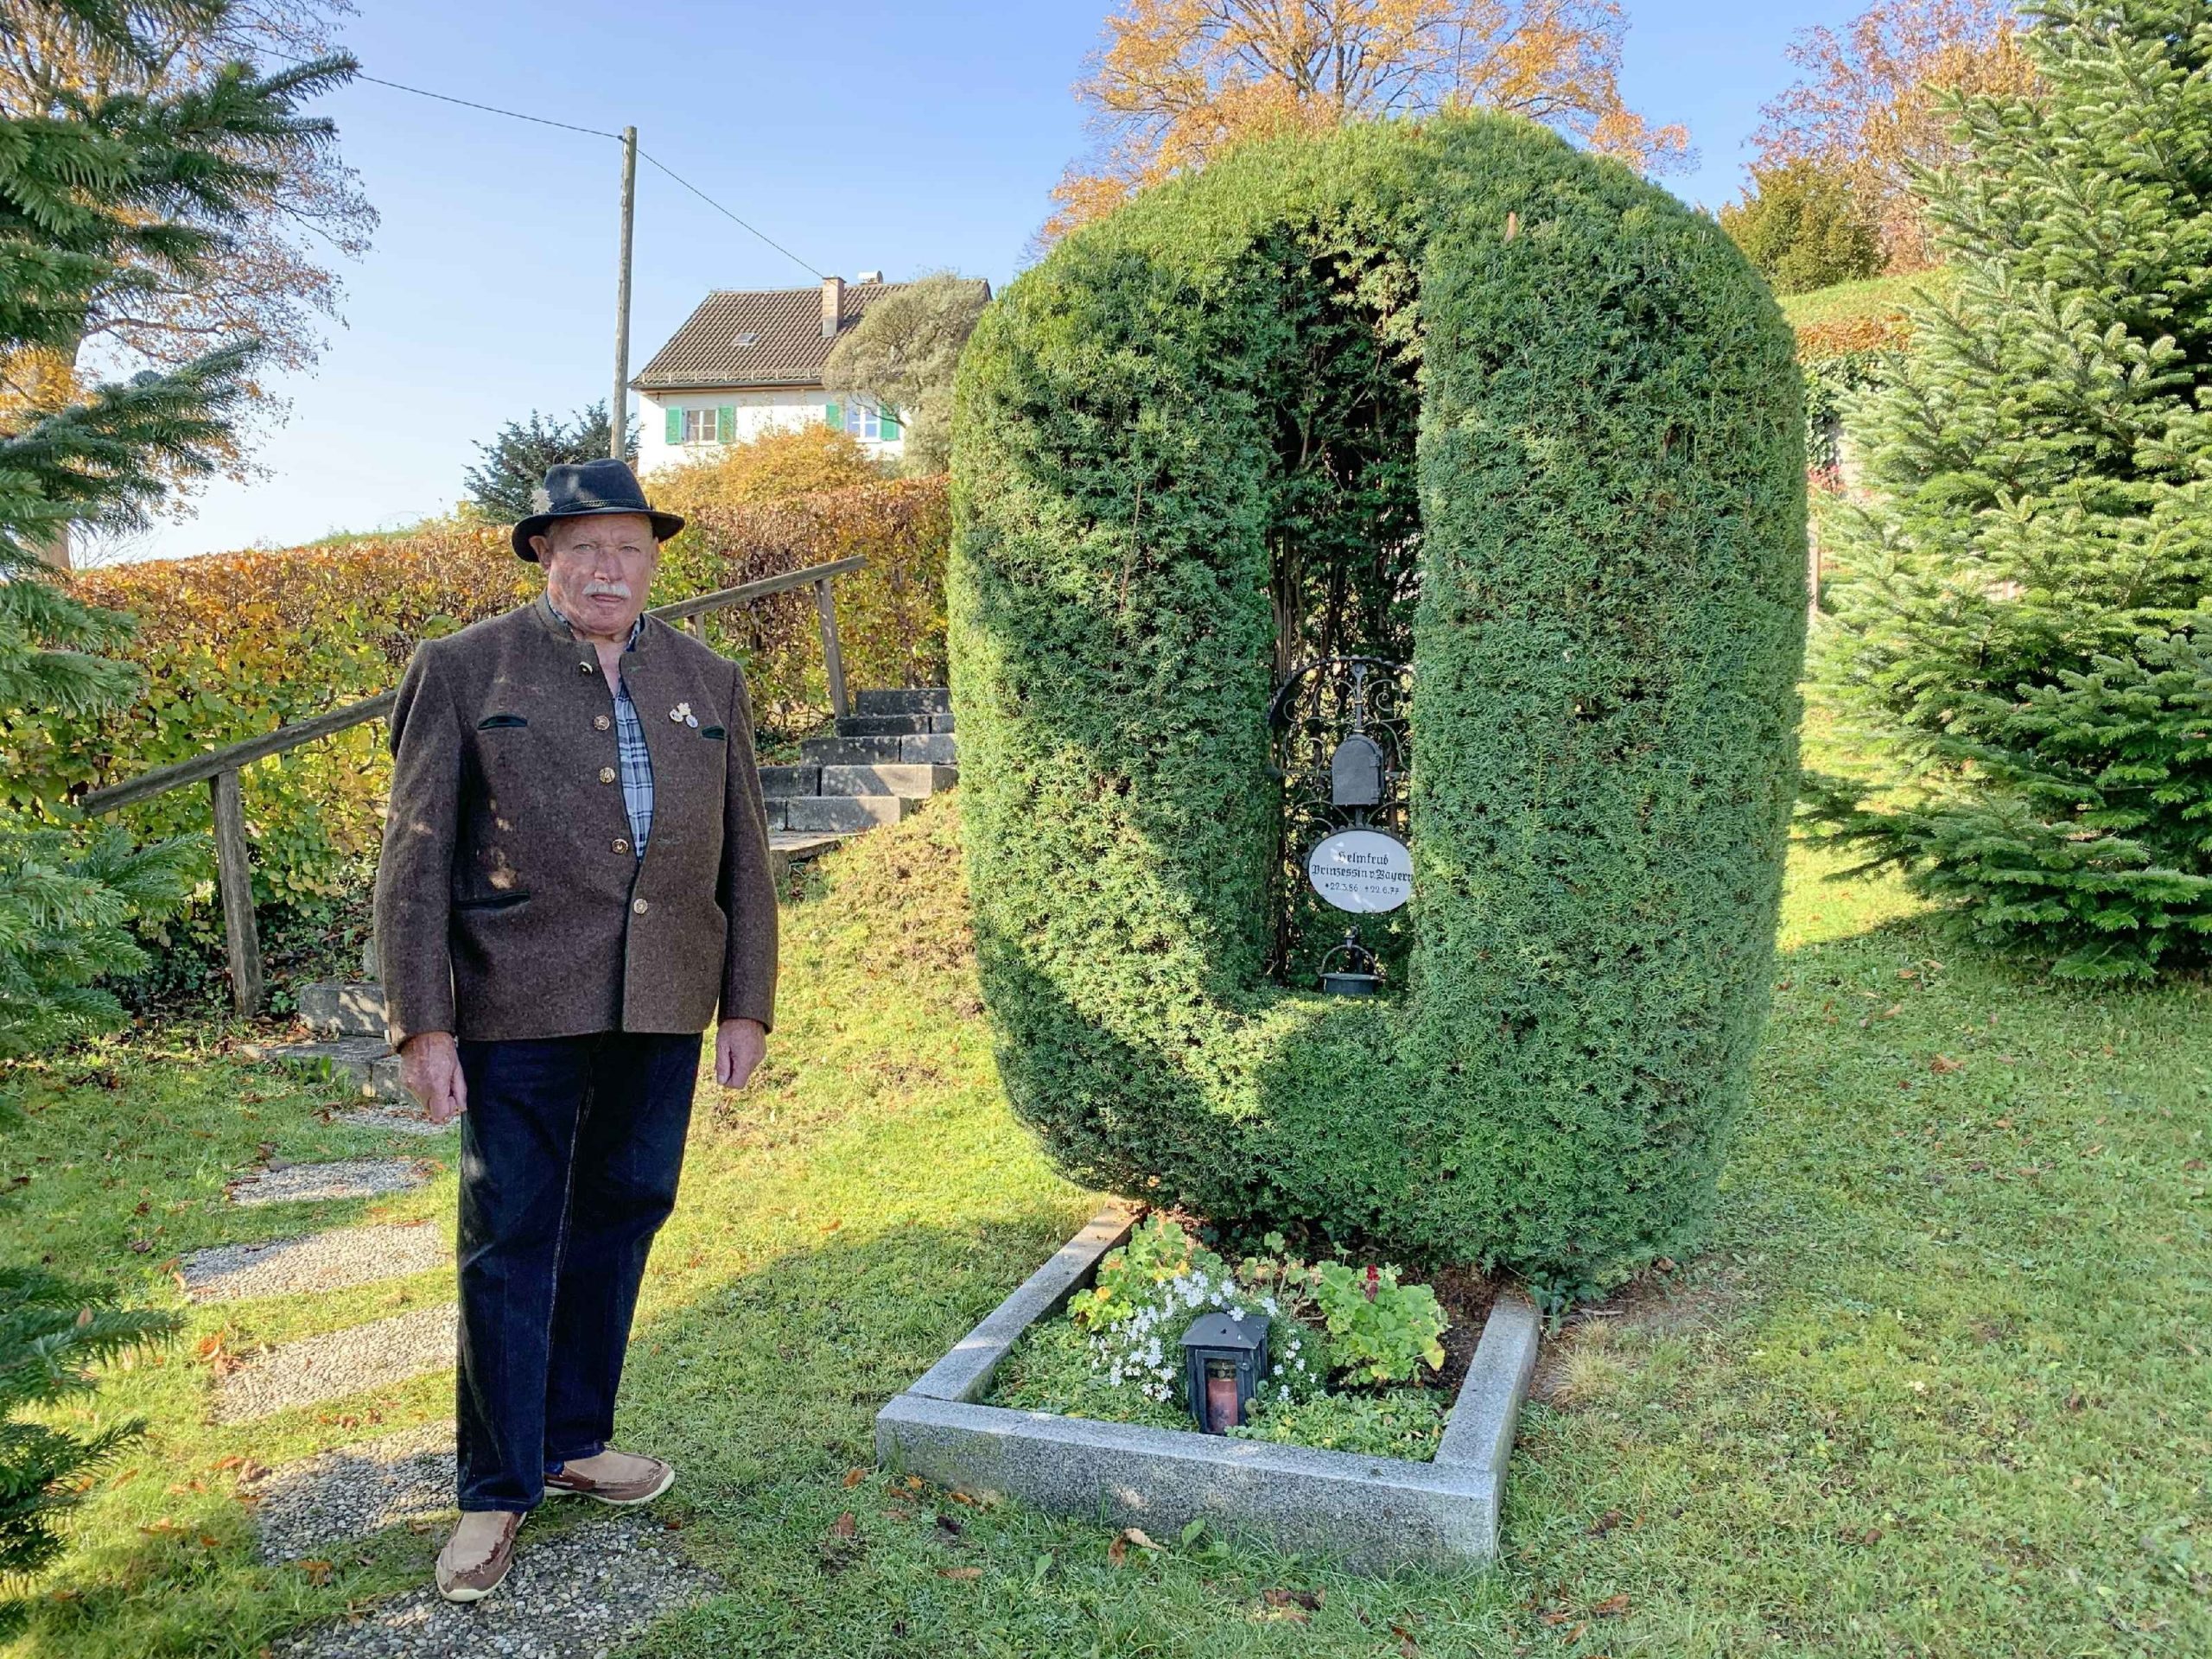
x,y
632,763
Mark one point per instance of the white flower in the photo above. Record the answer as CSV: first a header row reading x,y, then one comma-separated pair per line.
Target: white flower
x,y
1278,1371
1235,1316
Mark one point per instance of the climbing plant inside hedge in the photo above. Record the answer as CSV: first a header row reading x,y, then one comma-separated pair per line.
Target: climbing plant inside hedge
x,y
1455,391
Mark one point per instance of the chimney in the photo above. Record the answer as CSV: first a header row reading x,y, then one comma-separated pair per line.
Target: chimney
x,y
833,305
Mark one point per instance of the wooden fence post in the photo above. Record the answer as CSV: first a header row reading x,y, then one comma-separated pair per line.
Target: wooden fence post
x,y
234,880
826,607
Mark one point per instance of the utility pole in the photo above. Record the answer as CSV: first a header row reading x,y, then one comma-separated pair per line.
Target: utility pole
x,y
618,407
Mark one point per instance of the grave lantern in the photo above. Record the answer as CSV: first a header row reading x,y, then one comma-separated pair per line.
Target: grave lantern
x,y
1350,968
1222,1362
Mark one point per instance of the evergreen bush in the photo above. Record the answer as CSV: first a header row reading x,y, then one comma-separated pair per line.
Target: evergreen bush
x,y
1801,225
1456,392
2023,597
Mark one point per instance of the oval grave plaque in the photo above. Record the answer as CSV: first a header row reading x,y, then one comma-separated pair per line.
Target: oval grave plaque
x,y
1362,870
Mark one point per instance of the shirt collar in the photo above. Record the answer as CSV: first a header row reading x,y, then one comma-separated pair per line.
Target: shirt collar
x,y
636,627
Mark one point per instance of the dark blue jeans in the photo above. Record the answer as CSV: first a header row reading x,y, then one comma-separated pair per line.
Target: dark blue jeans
x,y
571,1150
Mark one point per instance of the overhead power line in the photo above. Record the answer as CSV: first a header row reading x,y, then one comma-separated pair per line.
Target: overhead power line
x,y
590,133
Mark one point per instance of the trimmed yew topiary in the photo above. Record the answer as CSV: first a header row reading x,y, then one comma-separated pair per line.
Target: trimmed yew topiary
x,y
1455,391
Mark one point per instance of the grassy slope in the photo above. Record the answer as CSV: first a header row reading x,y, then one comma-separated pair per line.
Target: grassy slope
x,y
1940,1386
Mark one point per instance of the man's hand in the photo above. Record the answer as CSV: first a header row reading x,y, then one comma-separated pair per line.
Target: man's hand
x,y
739,1046
429,1067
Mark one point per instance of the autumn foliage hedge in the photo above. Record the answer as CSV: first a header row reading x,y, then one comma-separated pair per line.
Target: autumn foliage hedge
x,y
235,644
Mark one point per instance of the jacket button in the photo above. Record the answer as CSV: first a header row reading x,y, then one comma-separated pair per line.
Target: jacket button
x,y
622,846
606,774
602,722
639,905
583,668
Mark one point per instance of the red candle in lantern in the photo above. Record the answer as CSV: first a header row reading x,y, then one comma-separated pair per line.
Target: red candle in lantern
x,y
1221,1399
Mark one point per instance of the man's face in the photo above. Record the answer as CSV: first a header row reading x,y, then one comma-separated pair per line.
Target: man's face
x,y
598,570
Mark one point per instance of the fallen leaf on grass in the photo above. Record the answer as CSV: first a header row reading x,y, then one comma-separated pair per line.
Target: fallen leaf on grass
x,y
1943,1063
1118,1551
845,1527
1610,1607
1407,1647
854,1477
1309,1599
318,1571
947,1524
960,1571
1604,1523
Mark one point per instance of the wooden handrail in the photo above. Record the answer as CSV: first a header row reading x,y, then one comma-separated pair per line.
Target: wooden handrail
x,y
218,768
161,779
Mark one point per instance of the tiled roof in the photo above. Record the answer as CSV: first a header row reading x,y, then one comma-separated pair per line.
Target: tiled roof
x,y
762,338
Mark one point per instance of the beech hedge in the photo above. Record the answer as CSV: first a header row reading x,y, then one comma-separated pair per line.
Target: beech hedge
x,y
1605,613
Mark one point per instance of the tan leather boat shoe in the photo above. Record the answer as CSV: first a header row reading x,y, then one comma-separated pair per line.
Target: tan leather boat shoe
x,y
479,1579
647,1484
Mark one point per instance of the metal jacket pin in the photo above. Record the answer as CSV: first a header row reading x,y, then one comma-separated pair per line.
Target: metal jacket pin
x,y
682,712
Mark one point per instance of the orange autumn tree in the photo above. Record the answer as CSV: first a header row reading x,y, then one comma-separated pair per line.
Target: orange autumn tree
x,y
1867,106
1177,83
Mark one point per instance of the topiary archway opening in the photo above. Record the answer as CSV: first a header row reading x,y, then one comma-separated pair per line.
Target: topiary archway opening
x,y
1456,389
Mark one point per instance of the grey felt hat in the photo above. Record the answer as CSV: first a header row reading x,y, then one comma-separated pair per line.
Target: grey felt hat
x,y
591,489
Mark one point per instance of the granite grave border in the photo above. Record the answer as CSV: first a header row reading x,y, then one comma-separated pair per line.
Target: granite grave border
x,y
1376,1512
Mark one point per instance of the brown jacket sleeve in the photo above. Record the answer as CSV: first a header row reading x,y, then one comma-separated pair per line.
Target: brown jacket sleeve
x,y
415,876
748,886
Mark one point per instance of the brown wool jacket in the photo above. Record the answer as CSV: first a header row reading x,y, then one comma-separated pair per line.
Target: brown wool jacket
x,y
509,902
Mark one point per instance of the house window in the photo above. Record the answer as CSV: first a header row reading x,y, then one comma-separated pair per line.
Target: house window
x,y
862,419
702,426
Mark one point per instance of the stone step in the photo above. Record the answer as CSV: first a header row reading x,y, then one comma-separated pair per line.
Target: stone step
x,y
408,1119
338,1363
920,700
797,845
578,1595
778,782
915,783
938,749
846,814
343,1008
885,725
353,1492
342,1178
318,1261
366,1064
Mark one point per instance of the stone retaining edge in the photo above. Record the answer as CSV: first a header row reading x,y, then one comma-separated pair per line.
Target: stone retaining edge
x,y
1370,1512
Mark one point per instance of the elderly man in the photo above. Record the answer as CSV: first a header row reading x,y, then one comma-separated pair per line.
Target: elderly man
x,y
575,881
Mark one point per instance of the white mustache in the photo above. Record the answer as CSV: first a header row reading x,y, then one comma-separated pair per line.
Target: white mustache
x,y
607,590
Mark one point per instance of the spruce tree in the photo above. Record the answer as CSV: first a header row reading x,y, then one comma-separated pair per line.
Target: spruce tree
x,y
518,459
2023,596
98,190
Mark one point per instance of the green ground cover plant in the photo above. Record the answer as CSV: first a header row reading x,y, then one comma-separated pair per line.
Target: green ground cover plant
x,y
1937,1386
1181,440
1116,1354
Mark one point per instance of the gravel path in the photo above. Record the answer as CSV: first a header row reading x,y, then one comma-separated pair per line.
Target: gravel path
x,y
401,1121
354,1491
340,1363
573,1596
348,1178
290,1266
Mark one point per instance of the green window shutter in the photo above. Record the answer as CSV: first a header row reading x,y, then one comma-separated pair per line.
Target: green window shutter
x,y
725,424
676,426
834,416
891,427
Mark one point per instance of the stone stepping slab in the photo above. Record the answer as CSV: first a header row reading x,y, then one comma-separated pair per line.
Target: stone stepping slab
x,y
572,1597
345,1177
393,1122
332,1260
341,1363
306,1508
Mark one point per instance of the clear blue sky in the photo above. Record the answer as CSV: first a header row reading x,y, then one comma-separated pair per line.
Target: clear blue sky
x,y
863,135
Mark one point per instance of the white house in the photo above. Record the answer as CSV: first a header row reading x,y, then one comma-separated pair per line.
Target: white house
x,y
746,363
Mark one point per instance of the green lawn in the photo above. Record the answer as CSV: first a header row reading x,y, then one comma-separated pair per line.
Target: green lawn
x,y
1940,1387
1874,296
